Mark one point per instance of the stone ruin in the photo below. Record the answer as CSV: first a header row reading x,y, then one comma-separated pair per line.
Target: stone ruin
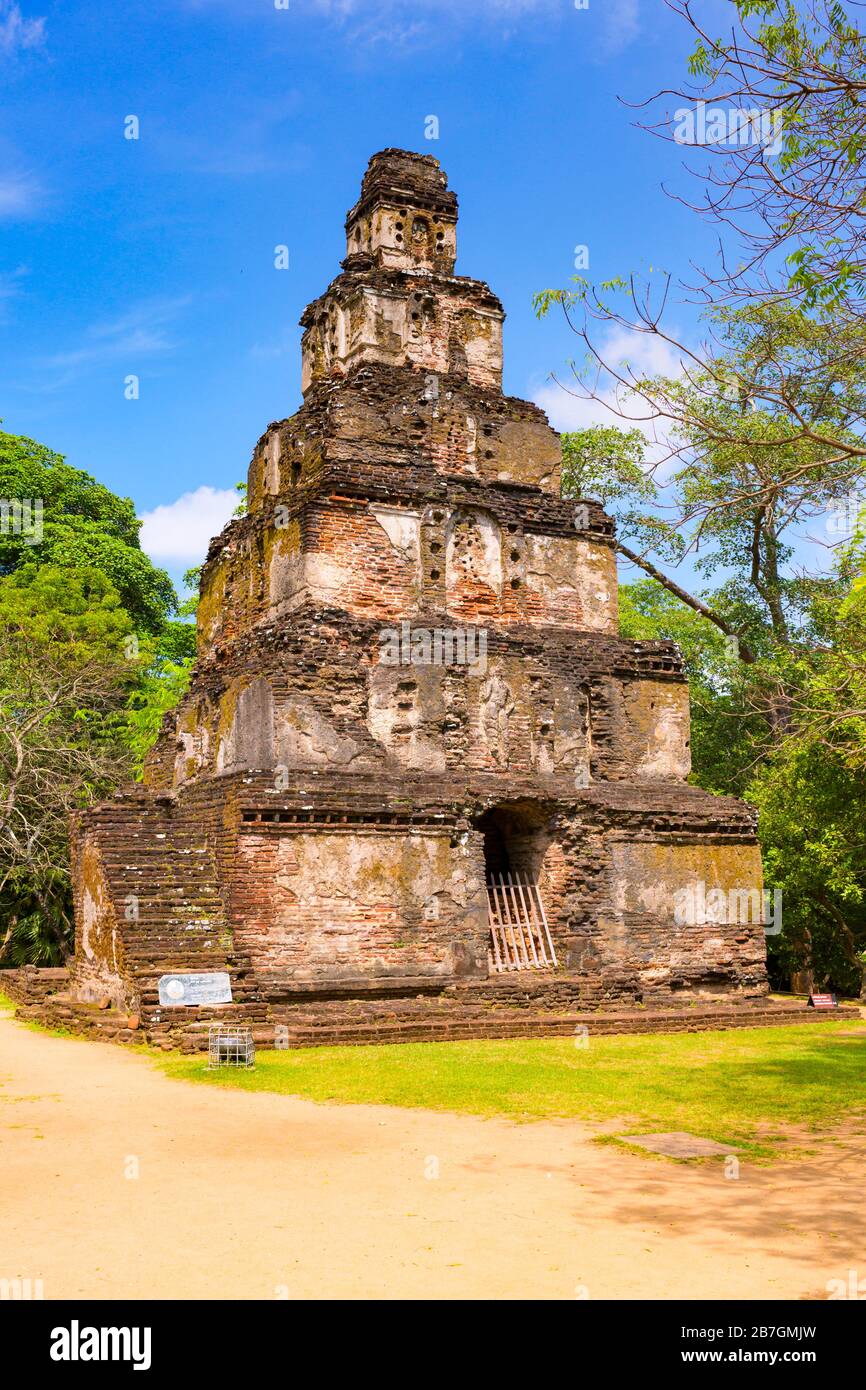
x,y
410,701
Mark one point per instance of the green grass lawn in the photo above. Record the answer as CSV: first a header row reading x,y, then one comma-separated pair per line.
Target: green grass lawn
x,y
752,1087
755,1088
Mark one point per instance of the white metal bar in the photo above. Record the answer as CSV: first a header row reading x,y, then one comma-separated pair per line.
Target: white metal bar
x,y
508,915
508,918
546,927
529,924
508,963
496,957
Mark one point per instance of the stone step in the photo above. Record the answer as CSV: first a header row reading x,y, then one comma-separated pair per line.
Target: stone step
x,y
532,1026
310,1020
458,1029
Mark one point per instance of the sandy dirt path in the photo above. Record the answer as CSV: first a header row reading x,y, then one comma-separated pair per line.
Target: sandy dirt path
x,y
266,1196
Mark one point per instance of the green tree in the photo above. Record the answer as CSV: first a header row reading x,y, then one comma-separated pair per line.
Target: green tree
x,y
810,799
68,661
90,660
83,526
727,734
166,680
808,782
789,184
755,432
738,490
160,688
783,184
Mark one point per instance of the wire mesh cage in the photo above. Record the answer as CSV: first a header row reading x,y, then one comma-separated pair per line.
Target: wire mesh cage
x,y
230,1045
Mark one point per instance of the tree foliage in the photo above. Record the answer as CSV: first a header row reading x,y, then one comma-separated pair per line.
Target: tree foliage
x,y
754,438
68,661
84,526
90,660
783,330
785,730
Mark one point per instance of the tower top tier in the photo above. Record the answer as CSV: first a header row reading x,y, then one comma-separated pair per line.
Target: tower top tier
x,y
397,301
406,216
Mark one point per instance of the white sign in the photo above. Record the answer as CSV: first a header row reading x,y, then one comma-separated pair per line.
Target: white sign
x,y
213,988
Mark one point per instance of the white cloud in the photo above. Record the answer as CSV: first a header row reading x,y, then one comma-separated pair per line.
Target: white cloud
x,y
633,355
16,32
180,532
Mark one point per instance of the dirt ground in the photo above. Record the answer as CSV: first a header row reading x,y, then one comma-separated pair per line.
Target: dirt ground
x,y
265,1196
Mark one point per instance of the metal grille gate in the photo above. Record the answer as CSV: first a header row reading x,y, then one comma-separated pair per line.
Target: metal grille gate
x,y
519,934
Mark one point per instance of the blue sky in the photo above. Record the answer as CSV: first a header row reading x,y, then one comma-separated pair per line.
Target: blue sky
x,y
155,257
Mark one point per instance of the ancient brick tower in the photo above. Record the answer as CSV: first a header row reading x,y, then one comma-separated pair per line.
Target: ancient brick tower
x,y
410,683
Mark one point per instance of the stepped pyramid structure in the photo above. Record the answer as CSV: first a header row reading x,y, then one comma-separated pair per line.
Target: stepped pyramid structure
x,y
416,759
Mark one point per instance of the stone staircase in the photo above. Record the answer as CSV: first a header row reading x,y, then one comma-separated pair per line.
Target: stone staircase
x,y
158,869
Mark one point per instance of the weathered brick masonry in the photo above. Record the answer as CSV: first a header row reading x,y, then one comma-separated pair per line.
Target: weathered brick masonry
x,y
319,818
